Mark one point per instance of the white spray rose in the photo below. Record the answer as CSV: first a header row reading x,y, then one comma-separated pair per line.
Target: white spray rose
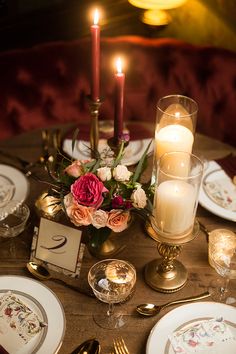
x,y
100,218
104,173
68,200
139,198
121,173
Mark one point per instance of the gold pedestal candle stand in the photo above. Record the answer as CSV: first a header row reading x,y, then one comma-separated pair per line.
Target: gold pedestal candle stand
x,y
94,132
167,275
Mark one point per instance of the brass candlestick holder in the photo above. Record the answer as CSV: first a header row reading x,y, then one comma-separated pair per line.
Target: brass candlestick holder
x,y
115,144
94,132
167,275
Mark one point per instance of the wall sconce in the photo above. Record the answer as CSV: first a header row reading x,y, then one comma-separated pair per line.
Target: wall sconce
x,y
155,13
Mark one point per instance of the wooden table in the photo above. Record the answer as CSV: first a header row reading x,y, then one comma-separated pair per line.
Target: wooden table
x,y
139,250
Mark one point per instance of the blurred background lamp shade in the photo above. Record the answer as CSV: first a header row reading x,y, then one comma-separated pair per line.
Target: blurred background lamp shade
x,y
156,17
157,4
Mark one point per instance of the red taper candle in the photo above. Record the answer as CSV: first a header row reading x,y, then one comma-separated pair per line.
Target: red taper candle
x,y
119,100
95,36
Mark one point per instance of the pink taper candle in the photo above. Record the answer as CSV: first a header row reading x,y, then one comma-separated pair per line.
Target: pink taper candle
x,y
95,34
119,100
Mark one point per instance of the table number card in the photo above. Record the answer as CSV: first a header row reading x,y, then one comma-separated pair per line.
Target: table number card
x,y
58,247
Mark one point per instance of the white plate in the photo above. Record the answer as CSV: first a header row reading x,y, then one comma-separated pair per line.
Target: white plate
x,y
183,316
13,185
133,151
46,305
218,193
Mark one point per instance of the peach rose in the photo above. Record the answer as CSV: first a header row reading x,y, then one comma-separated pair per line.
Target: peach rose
x,y
118,220
80,215
76,169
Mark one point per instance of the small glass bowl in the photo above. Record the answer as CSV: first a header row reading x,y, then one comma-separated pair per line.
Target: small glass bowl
x,y
15,221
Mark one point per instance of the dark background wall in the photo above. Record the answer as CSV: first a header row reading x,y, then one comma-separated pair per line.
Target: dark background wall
x,y
24,23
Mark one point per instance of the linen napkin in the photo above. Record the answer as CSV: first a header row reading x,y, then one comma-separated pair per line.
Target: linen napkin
x,y
207,337
228,164
18,323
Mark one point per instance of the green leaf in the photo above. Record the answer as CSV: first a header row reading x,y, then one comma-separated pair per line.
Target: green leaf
x,y
119,155
139,168
75,134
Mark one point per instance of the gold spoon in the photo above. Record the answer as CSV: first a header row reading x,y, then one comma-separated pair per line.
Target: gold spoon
x,y
152,310
42,273
90,346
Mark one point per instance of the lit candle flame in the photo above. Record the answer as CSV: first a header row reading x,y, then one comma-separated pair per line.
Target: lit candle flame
x,y
119,66
96,17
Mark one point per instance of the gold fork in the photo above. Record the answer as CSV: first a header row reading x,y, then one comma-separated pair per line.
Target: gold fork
x,y
120,346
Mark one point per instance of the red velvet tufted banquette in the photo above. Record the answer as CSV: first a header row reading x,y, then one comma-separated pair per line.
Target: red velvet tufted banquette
x,y
48,83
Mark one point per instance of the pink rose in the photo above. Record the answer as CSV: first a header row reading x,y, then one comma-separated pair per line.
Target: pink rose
x,y
87,190
118,220
80,215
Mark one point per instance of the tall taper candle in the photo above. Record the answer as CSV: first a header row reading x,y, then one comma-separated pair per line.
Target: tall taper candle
x,y
95,34
119,100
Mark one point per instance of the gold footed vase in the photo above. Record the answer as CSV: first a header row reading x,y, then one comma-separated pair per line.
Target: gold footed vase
x,y
166,274
114,243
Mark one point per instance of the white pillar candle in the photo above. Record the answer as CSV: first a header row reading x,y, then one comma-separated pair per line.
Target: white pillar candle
x,y
174,137
174,210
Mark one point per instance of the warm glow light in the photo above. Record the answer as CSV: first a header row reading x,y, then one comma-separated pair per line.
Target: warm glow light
x,y
157,4
156,17
119,65
96,17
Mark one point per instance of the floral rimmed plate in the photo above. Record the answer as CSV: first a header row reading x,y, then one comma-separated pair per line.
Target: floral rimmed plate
x,y
133,152
13,185
189,315
42,301
218,193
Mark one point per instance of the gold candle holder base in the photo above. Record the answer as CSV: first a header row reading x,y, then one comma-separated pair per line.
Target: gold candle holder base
x,y
94,132
168,275
115,144
165,282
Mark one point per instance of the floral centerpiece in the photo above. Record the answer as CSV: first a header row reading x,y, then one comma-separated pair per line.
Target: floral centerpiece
x,y
101,193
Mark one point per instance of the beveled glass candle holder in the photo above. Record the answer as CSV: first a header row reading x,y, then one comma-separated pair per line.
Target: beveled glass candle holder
x,y
179,178
175,128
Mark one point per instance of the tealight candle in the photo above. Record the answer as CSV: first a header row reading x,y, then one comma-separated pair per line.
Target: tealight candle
x,y
222,245
115,276
48,206
174,207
